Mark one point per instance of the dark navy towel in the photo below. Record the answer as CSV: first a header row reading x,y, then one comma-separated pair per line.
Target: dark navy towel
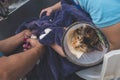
x,y
50,29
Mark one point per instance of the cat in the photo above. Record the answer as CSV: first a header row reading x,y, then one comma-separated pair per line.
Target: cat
x,y
85,39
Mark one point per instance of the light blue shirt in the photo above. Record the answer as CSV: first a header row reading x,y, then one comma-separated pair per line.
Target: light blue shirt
x,y
103,12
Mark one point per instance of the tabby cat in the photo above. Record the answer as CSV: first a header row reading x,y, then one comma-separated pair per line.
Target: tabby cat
x,y
85,39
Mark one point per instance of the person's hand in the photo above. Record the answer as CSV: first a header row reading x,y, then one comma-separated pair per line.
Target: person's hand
x,y
27,32
32,43
48,11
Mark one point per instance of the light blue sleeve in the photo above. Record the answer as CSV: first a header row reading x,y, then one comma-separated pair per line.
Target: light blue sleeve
x,y
1,54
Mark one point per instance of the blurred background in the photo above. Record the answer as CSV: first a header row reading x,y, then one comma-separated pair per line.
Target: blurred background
x,y
15,17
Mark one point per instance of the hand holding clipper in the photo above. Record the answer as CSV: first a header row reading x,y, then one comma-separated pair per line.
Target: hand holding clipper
x,y
27,44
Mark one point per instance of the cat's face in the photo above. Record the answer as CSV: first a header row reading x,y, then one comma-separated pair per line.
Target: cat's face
x,y
85,39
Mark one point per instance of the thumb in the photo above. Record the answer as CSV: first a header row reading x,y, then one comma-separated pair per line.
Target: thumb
x,y
42,12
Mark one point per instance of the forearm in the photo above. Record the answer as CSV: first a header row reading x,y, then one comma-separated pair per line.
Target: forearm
x,y
58,49
16,66
112,34
11,43
56,6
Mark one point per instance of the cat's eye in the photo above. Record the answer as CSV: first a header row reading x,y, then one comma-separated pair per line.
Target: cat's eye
x,y
81,27
88,31
81,46
78,31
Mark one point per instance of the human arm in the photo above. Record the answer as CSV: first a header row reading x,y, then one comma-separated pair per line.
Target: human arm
x,y
16,66
58,49
50,9
9,44
112,35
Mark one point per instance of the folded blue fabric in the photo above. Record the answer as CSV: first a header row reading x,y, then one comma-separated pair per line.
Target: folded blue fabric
x,y
58,66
